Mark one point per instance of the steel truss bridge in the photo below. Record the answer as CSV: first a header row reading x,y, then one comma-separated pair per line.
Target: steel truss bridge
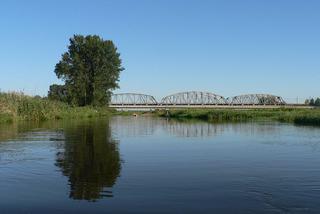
x,y
195,99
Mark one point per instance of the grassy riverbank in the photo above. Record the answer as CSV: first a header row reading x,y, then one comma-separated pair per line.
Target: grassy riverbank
x,y
296,116
17,106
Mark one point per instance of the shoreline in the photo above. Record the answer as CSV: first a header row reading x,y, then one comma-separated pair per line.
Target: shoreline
x,y
307,116
16,107
310,117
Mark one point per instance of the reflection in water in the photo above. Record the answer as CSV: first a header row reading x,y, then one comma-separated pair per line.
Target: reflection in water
x,y
134,126
14,130
192,129
250,129
263,167
143,126
91,160
205,129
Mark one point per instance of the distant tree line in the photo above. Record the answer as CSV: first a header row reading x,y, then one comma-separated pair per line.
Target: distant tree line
x,y
90,70
313,102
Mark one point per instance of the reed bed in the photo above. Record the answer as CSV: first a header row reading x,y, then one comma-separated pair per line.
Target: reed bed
x,y
16,106
296,116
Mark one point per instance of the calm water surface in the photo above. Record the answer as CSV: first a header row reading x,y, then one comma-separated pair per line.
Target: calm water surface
x,y
151,165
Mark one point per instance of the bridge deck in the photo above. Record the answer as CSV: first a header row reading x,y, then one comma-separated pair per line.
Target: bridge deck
x,y
151,107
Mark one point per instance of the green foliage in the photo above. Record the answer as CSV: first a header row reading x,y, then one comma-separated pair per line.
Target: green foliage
x,y
308,120
313,102
297,116
5,117
58,93
90,69
307,102
17,106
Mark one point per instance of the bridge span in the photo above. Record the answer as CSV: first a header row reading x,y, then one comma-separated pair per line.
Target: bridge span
x,y
156,107
197,99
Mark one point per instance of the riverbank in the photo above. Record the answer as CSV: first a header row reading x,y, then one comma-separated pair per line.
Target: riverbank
x,y
19,107
296,116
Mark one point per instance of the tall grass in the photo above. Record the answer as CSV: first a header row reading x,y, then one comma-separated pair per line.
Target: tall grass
x,y
17,106
297,116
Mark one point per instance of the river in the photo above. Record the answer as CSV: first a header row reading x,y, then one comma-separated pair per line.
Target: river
x,y
154,165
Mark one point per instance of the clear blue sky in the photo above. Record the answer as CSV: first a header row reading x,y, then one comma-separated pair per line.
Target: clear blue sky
x,y
167,46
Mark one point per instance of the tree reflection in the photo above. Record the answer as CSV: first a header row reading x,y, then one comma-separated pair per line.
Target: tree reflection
x,y
91,160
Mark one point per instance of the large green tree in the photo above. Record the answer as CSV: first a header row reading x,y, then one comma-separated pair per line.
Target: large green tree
x,y
90,69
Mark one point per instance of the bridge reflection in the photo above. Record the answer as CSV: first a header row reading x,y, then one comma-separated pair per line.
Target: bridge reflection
x,y
192,129
143,126
128,126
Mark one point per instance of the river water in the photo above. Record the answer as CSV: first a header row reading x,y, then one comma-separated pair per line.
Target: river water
x,y
154,165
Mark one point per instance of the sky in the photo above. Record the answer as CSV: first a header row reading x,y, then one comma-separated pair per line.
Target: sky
x,y
228,47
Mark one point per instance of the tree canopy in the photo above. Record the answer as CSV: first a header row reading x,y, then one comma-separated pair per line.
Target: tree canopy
x,y
313,102
58,92
90,70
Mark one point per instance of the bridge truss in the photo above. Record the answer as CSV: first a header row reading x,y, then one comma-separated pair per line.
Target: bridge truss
x,y
256,99
132,99
193,98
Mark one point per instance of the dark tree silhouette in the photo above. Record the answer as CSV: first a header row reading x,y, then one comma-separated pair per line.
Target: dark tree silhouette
x,y
90,159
